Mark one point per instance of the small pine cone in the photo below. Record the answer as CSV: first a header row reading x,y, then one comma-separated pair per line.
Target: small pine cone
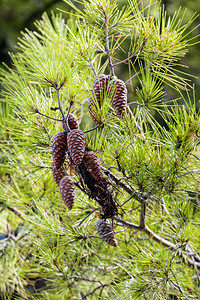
x,y
100,85
92,164
92,108
72,121
67,190
118,95
58,174
106,232
59,146
76,145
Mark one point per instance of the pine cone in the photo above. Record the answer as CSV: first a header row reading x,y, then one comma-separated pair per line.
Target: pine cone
x,y
118,95
72,121
92,164
106,232
100,85
76,145
59,146
92,108
67,190
58,174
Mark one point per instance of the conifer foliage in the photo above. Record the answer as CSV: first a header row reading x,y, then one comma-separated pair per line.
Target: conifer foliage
x,y
100,169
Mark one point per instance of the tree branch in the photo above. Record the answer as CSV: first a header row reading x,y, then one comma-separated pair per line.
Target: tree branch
x,y
91,293
107,43
160,240
142,213
38,112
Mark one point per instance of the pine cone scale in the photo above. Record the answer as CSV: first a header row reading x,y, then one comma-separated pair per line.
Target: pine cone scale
x,y
76,145
59,147
67,190
106,232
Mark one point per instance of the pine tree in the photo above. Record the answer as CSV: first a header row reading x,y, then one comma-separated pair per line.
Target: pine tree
x,y
145,197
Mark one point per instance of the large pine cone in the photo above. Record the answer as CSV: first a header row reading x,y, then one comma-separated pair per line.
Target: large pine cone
x,y
106,232
72,121
58,174
76,145
67,190
118,95
100,85
92,164
59,147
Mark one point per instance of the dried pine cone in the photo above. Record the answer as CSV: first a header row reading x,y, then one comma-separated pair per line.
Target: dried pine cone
x,y
59,146
76,145
67,190
72,121
58,174
100,85
92,164
118,95
106,232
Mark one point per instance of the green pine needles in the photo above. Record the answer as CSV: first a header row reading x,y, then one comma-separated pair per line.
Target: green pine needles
x,y
91,135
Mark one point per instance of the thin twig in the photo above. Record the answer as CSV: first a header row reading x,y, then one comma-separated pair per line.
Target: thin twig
x,y
135,75
86,279
137,103
94,128
38,112
86,217
125,60
167,212
177,284
67,117
91,293
107,44
90,63
60,107
195,156
16,211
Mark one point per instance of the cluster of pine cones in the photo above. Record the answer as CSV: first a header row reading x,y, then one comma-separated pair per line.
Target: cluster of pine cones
x,y
71,141
113,89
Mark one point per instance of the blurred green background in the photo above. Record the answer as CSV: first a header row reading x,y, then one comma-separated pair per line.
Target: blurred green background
x,y
16,15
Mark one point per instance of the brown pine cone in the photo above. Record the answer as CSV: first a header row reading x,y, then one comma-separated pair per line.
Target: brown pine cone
x,y
58,174
72,121
76,145
105,231
92,164
67,190
118,95
59,146
100,85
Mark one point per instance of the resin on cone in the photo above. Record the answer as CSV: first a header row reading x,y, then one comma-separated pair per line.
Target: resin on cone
x,y
59,147
92,164
67,190
72,121
76,145
105,231
58,174
118,95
